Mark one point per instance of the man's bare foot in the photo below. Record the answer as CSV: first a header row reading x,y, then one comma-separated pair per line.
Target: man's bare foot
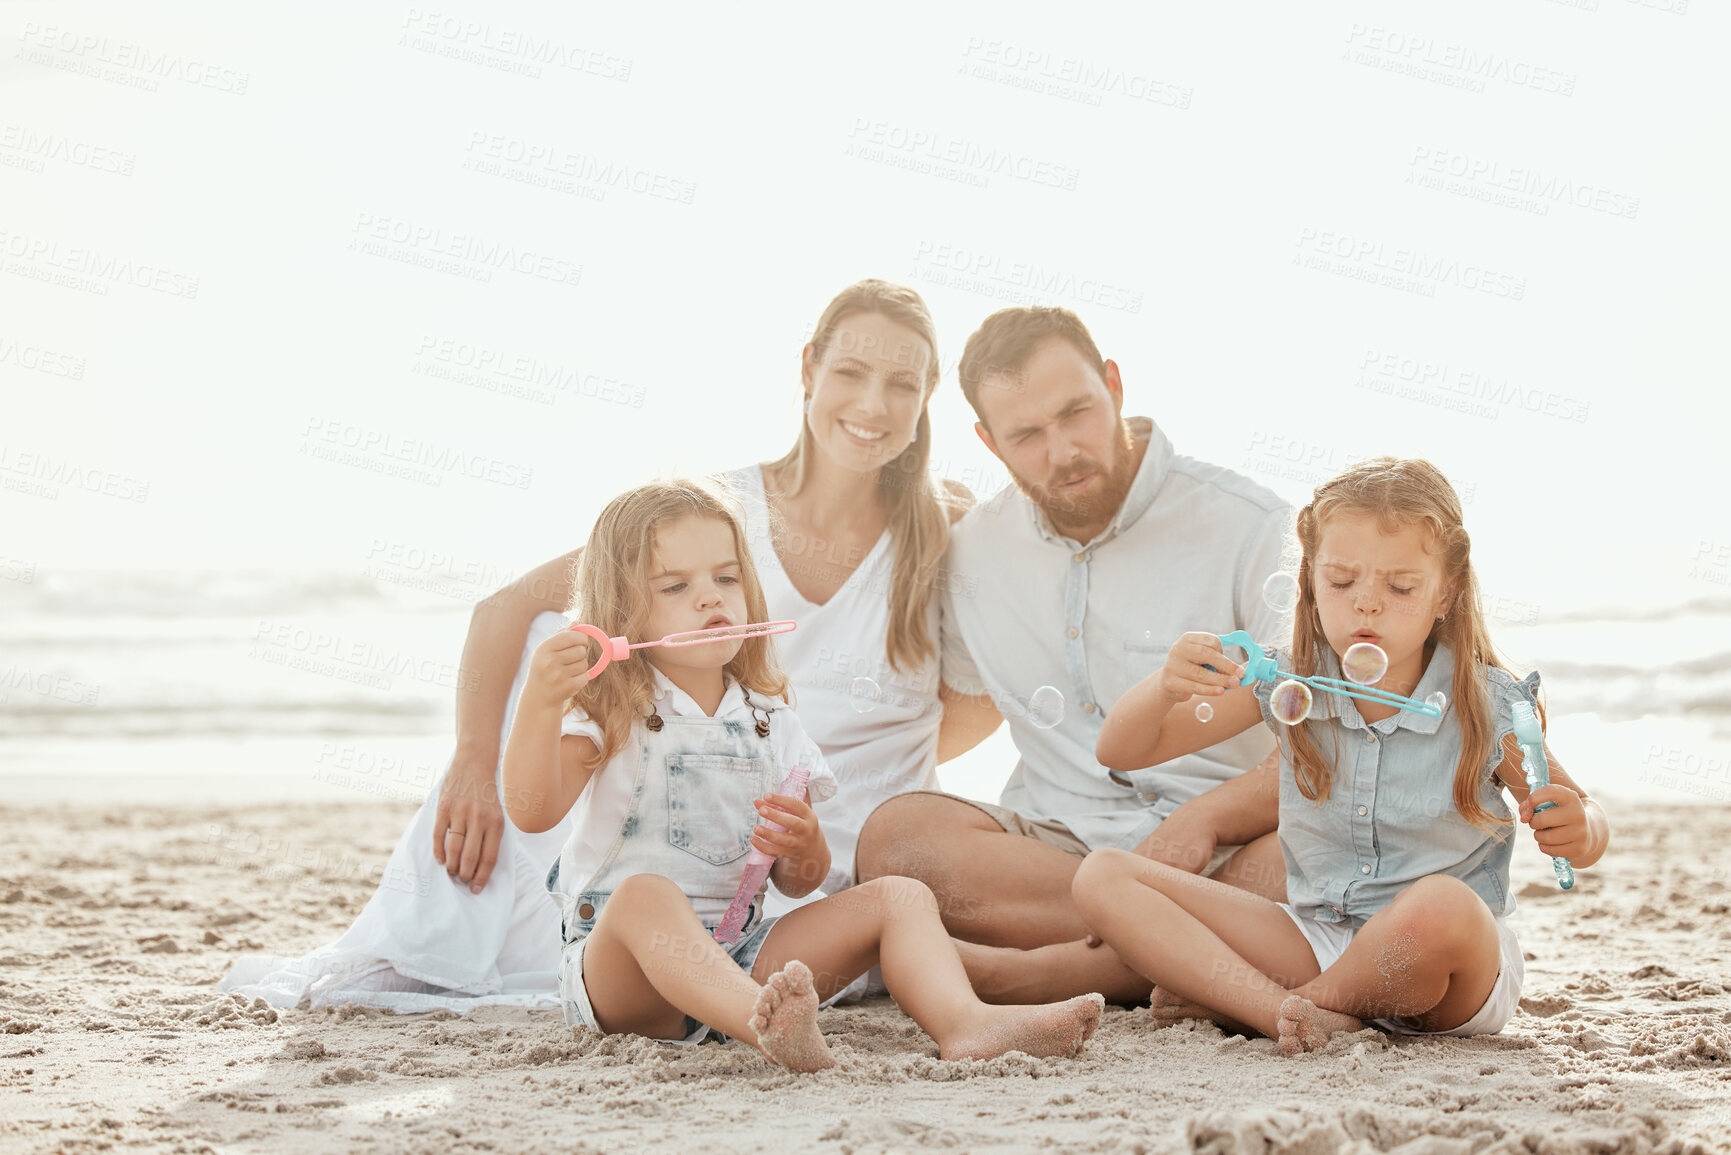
x,y
1004,975
1168,1009
1054,1030
784,1020
985,967
1049,974
1304,1026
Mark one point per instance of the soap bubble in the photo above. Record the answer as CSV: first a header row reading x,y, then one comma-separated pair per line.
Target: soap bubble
x,y
1290,702
1280,591
1046,707
863,694
1438,701
1364,663
1204,711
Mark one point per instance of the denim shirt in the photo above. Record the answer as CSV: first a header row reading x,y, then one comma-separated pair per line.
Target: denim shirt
x,y
1390,817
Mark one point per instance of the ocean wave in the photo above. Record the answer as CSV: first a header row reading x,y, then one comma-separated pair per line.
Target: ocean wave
x,y
40,718
91,653
191,593
1694,607
278,592
1712,664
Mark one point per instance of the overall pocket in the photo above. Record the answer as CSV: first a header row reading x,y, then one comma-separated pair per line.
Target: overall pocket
x,y
709,804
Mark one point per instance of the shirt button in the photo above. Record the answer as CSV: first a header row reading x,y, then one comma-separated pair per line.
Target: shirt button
x,y
1074,631
1369,737
1363,810
1078,557
1364,869
1087,707
1150,797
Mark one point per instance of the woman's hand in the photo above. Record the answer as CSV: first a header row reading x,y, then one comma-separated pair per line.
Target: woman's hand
x,y
468,823
1185,674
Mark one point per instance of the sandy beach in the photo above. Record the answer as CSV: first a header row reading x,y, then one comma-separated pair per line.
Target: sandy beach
x,y
120,920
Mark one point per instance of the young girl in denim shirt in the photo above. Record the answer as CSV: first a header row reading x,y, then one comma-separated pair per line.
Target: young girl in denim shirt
x,y
1393,825
670,764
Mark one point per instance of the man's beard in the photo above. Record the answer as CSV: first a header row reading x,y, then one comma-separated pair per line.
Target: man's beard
x,y
1083,509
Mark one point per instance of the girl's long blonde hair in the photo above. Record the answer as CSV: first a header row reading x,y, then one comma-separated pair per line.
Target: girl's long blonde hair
x,y
612,592
913,508
1401,492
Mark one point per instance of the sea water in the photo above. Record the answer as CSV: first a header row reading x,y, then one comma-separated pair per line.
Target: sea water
x,y
189,685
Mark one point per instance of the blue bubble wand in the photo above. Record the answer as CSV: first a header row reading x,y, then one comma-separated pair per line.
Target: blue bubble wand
x,y
1538,771
1259,667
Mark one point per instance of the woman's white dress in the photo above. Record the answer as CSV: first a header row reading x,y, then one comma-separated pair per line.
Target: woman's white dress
x,y
878,727
424,942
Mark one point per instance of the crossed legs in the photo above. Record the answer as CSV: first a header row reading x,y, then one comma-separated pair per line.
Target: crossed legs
x,y
1007,898
1430,957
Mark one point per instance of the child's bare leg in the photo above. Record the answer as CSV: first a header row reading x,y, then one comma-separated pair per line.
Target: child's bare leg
x,y
894,923
1002,974
649,962
1431,955
1203,941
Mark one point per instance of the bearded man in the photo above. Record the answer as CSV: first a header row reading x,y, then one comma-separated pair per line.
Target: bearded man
x,y
1080,577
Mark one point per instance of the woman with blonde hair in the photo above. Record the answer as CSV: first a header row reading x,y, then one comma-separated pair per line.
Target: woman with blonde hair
x,y
848,533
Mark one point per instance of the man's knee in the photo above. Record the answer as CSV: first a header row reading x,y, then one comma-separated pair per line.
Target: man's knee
x,y
907,833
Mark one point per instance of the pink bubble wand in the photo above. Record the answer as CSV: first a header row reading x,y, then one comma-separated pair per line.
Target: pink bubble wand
x,y
757,868
618,649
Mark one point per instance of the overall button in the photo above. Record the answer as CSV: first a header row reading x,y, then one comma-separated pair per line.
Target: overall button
x,y
587,910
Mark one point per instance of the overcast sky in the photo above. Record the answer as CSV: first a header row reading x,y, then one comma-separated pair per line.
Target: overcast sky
x,y
279,286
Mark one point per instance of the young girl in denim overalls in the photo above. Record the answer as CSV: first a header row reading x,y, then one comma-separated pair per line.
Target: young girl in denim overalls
x,y
1392,823
671,762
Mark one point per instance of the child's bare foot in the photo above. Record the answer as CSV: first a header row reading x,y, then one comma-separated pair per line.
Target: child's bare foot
x,y
1304,1026
1055,1030
784,1020
1168,1009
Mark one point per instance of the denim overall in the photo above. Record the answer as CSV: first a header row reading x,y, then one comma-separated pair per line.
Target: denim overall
x,y
690,821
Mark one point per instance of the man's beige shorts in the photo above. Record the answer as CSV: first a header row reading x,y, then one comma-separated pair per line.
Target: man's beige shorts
x,y
1054,833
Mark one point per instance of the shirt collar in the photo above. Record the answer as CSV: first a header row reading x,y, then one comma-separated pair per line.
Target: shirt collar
x,y
670,699
1438,676
1156,464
